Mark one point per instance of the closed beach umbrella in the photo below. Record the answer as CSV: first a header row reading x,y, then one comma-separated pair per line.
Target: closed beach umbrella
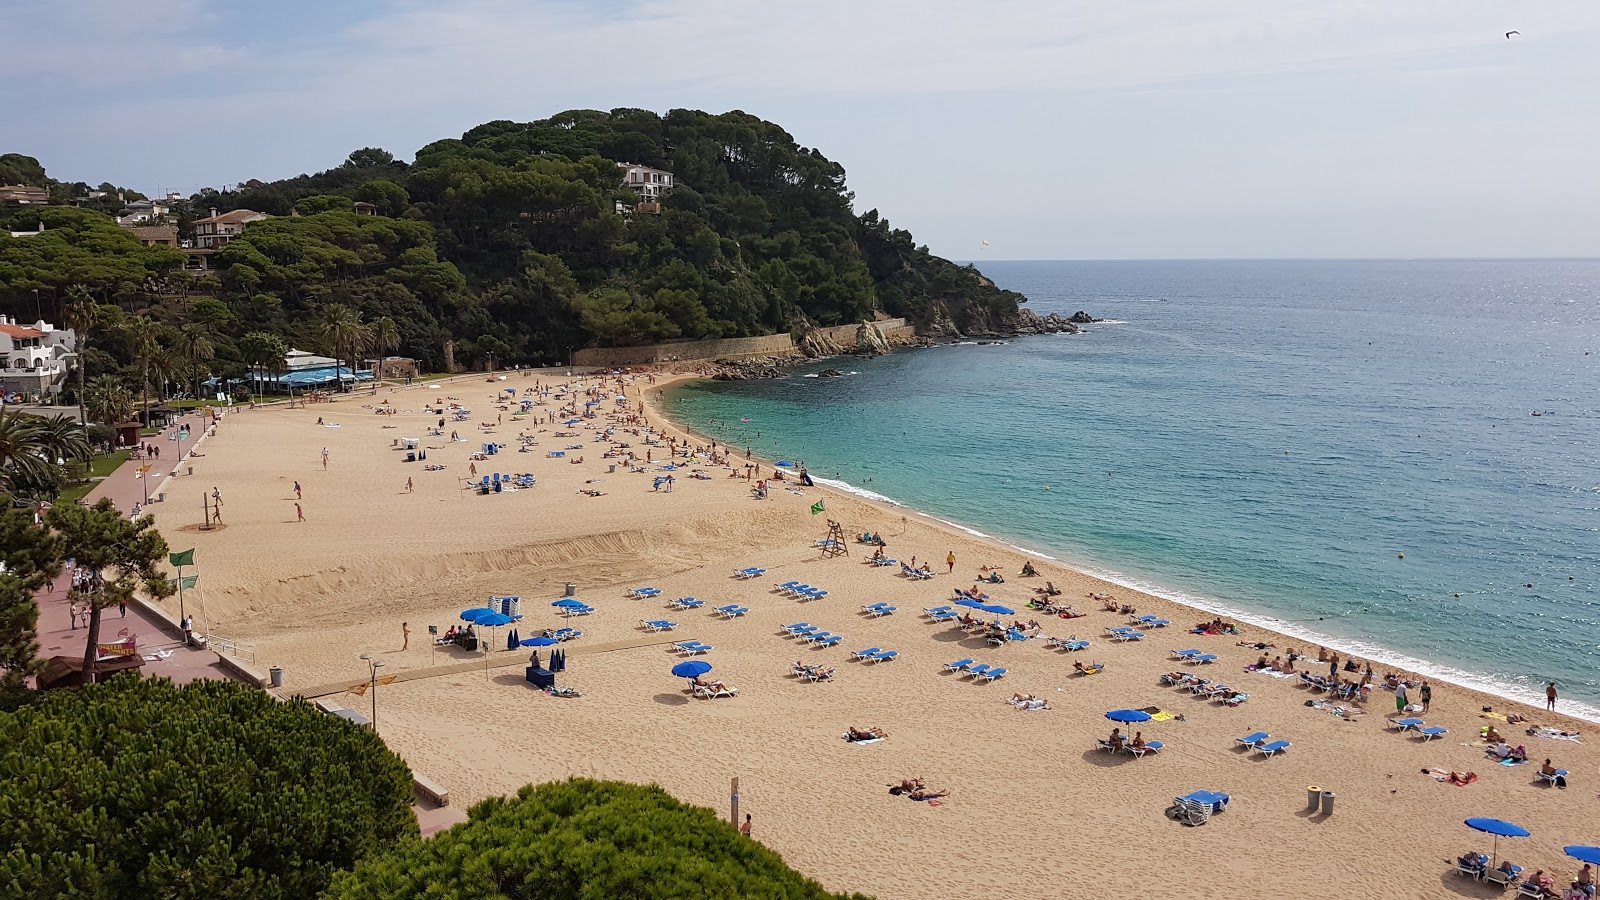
x,y
1499,828
694,668
540,641
1128,715
1590,855
511,639
997,609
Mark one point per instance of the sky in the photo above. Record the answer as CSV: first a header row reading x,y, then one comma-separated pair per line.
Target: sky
x,y
1053,129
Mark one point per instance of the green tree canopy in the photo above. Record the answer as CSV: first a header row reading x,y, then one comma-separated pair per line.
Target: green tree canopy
x,y
580,839
213,791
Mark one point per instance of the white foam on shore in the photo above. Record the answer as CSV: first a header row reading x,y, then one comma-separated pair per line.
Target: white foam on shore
x,y
848,488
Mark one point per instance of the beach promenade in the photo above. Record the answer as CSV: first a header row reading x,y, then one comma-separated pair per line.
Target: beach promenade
x,y
1036,807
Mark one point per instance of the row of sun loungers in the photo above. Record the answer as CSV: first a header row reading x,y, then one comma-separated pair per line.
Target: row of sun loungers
x,y
874,610
1262,743
918,574
875,655
812,635
1138,752
751,572
1069,644
731,611
570,611
644,593
691,648
1150,622
686,603
1421,728
564,634
1194,656
800,591
1124,634
968,669
1198,808
655,625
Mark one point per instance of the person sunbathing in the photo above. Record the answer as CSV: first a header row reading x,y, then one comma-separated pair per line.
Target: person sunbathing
x,y
867,734
1462,777
1109,604
878,553
1263,662
1028,570
1547,769
1091,669
1520,754
1116,740
923,794
907,785
1138,741
1501,750
1493,737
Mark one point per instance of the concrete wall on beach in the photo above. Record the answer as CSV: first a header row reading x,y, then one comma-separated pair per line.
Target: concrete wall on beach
x,y
726,348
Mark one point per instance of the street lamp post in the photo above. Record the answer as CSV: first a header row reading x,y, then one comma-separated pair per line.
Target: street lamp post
x,y
373,665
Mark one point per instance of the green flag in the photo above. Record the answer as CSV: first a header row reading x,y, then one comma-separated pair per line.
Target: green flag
x,y
815,508
186,558
186,582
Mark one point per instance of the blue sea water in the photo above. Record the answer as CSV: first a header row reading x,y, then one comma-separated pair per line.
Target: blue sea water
x,y
1265,438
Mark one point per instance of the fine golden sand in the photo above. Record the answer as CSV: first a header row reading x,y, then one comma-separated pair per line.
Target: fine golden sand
x,y
1036,810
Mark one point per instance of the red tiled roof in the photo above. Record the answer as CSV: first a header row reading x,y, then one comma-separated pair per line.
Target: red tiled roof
x,y
17,331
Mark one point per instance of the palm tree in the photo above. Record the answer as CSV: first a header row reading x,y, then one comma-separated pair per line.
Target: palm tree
x,y
21,452
262,350
144,335
78,312
385,337
193,346
62,439
341,330
164,365
109,400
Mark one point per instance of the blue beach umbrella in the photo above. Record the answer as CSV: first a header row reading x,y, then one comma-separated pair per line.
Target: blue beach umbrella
x,y
997,609
1499,828
494,620
1128,715
539,642
970,604
1590,855
694,668
571,422
473,615
569,603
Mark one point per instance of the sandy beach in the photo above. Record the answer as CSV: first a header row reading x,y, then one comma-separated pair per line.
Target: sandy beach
x,y
1035,809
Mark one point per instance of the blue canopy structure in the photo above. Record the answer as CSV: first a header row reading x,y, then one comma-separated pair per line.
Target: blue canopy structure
x,y
319,376
694,668
1128,715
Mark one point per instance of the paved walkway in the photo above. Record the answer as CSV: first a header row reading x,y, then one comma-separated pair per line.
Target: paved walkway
x,y
57,637
126,486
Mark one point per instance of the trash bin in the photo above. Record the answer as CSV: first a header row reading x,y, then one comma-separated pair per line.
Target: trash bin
x,y
612,469
161,497
572,589
276,674
191,470
1313,797
1327,803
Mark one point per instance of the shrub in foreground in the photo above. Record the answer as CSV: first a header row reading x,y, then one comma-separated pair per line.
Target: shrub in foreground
x,y
580,840
139,789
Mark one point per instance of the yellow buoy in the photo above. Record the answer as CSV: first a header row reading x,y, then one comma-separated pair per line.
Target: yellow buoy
x,y
1402,556
1047,487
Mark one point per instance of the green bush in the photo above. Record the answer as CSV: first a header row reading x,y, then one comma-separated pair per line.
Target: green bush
x,y
142,789
580,840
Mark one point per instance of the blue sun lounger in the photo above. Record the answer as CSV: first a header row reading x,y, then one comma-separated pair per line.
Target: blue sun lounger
x,y
863,654
644,593
1129,636
815,635
804,633
958,665
943,617
1407,724
686,603
1429,734
833,641
1204,658
1553,779
872,606
723,609
1156,623
934,610
881,611
732,612
1073,646
658,625
751,572
1272,748
785,586
1217,801
1185,654
1149,747
976,671
1251,740
885,656
884,562
694,649
813,594
791,629
993,674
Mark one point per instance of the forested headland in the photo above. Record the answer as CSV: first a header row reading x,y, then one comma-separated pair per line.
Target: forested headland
x,y
514,244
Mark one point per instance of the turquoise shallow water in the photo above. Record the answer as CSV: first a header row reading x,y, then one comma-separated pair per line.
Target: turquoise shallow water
x,y
1264,438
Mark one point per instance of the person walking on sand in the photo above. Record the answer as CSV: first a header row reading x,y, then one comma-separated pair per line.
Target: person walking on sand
x,y
744,829
297,495
299,514
410,488
324,458
1426,695
950,563
216,495
1550,696
405,635
1400,697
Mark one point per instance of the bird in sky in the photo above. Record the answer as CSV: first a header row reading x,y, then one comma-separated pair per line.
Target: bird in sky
x,y
1510,33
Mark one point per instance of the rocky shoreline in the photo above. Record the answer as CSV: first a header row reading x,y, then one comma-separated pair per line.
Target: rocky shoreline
x,y
871,341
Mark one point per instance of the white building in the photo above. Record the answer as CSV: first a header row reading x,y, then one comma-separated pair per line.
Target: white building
x,y
35,357
214,232
650,184
143,212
